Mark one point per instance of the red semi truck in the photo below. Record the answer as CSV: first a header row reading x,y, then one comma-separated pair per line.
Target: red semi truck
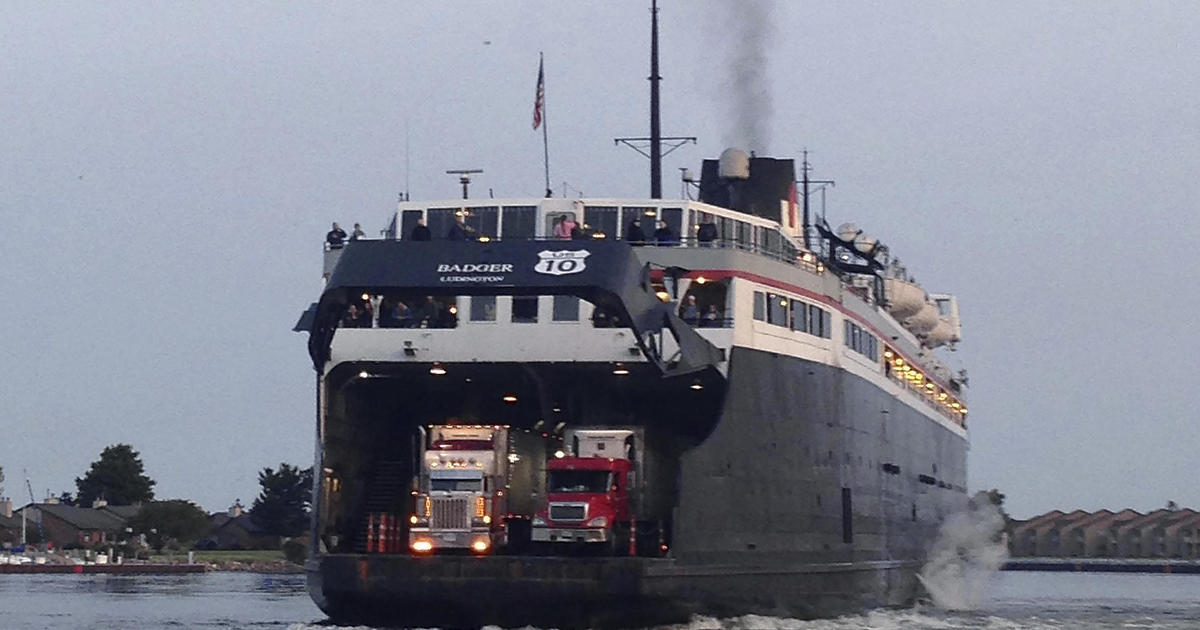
x,y
603,494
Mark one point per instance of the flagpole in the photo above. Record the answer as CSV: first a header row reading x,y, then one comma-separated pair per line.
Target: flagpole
x,y
545,132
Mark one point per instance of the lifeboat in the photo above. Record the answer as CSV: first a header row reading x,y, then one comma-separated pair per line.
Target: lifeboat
x,y
924,320
942,334
904,299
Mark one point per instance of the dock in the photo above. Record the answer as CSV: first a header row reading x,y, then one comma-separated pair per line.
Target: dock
x,y
120,569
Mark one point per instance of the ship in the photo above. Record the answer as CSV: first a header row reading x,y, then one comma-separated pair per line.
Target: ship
x,y
781,375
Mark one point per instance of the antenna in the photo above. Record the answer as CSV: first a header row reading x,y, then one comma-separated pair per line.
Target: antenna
x,y
654,143
805,167
464,177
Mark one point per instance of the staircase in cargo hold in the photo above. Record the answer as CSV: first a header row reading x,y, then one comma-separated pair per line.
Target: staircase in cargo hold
x,y
390,494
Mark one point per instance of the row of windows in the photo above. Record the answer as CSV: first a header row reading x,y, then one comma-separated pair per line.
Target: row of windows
x,y
781,310
525,309
861,341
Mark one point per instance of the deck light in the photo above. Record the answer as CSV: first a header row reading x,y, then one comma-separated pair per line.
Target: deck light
x,y
364,374
454,310
701,279
620,370
437,369
485,239
510,398
696,385
559,454
599,236
366,296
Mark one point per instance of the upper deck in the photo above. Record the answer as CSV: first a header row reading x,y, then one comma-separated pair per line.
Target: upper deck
x,y
762,289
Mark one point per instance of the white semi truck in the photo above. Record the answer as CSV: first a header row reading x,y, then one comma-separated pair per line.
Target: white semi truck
x,y
478,486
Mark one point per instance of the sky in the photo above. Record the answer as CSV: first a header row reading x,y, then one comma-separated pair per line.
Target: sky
x,y
168,171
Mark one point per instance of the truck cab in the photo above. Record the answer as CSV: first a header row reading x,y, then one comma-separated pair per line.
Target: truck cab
x,y
594,495
587,500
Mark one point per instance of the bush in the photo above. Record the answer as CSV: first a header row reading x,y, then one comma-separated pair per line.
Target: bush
x,y
295,551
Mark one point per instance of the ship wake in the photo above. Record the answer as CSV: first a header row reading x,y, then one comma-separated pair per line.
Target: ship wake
x,y
968,552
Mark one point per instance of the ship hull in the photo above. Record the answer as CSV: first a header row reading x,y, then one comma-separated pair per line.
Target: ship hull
x,y
817,494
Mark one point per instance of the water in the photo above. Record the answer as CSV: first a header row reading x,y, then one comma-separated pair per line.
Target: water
x,y
1013,600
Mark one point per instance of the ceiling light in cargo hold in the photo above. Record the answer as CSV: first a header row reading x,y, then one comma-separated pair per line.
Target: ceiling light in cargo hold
x,y
437,369
621,370
510,398
701,280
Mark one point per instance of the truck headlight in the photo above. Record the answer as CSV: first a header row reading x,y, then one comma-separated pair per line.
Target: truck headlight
x,y
539,521
599,521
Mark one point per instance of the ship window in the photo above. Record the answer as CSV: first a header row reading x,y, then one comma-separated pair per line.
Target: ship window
x,y
408,221
525,309
483,308
483,221
674,219
602,219
777,306
826,324
439,221
760,306
799,319
647,218
771,240
847,333
519,221
566,308
814,320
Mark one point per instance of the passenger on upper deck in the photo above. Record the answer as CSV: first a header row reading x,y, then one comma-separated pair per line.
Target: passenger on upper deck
x,y
712,317
427,315
358,233
707,232
689,311
336,237
458,230
664,236
563,227
420,232
634,233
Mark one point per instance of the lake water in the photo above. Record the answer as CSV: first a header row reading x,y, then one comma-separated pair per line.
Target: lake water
x,y
241,600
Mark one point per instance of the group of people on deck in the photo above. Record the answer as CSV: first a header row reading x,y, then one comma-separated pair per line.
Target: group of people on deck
x,y
394,313
565,227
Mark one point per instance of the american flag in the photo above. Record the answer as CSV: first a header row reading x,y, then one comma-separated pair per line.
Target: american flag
x,y
539,102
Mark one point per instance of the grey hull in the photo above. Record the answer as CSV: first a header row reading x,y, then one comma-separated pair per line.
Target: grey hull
x,y
816,494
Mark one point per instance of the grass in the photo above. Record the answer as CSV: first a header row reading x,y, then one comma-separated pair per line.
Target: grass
x,y
245,556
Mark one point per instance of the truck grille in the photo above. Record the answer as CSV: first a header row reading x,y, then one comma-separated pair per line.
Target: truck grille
x,y
568,511
449,513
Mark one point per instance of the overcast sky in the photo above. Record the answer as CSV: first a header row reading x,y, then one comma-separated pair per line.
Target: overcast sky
x,y
168,170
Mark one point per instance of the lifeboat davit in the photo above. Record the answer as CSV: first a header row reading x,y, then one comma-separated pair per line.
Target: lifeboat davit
x,y
924,321
905,298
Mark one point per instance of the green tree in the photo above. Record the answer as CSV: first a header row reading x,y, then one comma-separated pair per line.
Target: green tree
x,y
1,481
117,477
164,522
66,498
282,506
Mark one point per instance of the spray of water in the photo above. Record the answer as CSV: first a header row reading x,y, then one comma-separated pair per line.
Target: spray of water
x,y
747,90
968,551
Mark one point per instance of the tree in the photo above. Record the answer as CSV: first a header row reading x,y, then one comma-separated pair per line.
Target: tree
x,y
164,522
117,477
66,498
282,506
1,481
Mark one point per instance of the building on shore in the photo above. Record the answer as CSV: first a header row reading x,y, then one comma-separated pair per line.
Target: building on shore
x,y
1164,533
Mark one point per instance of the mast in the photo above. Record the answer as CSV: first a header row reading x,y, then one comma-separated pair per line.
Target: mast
x,y
655,130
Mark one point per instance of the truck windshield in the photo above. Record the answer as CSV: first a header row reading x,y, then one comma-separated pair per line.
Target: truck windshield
x,y
594,481
455,485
